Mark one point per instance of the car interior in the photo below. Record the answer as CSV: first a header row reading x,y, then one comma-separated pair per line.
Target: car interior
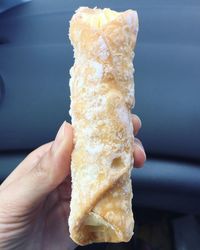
x,y
35,58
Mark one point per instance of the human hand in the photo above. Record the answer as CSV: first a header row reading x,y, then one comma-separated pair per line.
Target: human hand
x,y
139,154
35,198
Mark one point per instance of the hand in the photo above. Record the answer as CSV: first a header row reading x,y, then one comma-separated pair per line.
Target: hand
x,y
34,199
138,151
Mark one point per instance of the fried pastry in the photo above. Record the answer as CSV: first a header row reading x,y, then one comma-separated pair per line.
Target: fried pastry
x,y
102,95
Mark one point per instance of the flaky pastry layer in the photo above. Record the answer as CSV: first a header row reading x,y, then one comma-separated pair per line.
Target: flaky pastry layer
x,y
102,94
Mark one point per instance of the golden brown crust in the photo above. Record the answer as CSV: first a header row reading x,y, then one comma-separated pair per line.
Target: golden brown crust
x,y
102,94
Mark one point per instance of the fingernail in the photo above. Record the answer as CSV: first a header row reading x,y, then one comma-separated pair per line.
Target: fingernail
x,y
59,136
140,122
138,143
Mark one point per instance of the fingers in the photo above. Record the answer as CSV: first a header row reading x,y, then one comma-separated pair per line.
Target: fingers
x,y
27,164
47,174
137,124
138,153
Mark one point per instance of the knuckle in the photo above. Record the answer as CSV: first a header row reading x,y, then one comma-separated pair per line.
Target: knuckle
x,y
41,169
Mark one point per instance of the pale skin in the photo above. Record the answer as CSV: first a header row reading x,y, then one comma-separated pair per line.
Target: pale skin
x,y
35,197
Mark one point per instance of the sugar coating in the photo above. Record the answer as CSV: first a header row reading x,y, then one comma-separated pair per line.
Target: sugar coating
x,y
103,49
102,94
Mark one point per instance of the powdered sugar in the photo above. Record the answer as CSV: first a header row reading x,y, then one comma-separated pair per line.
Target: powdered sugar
x,y
95,149
132,21
103,49
129,20
95,106
98,67
123,115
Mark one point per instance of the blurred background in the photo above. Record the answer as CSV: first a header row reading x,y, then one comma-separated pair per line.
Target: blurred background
x,y
35,58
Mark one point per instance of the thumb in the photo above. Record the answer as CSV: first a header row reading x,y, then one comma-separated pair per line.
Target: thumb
x,y
49,172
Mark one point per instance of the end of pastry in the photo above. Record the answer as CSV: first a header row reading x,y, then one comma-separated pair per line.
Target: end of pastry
x,y
87,24
96,229
98,18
